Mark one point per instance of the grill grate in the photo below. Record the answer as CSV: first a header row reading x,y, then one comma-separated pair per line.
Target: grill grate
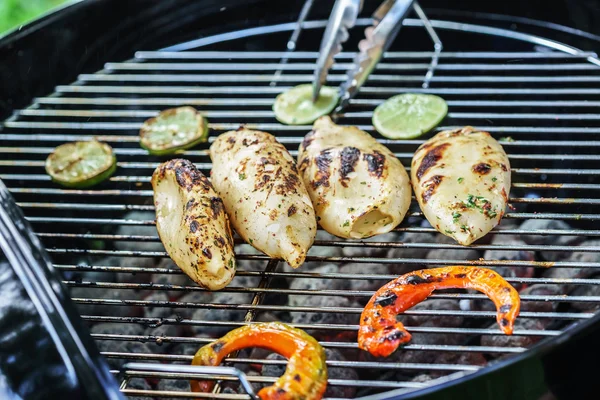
x,y
104,242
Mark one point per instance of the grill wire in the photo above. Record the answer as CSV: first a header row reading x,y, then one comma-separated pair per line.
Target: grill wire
x,y
141,307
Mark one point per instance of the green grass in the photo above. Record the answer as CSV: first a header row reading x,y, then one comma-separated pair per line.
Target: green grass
x,y
17,12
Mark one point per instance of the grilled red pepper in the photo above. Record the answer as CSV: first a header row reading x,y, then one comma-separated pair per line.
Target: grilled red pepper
x,y
380,334
305,376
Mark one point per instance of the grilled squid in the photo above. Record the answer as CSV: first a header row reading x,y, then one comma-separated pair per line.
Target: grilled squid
x,y
358,187
381,334
192,224
461,180
266,201
305,377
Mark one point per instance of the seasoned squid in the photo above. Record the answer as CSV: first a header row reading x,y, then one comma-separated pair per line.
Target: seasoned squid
x,y
266,201
358,187
381,334
461,180
192,224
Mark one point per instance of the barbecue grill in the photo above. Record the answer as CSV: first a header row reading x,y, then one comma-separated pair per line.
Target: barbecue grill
x,y
534,85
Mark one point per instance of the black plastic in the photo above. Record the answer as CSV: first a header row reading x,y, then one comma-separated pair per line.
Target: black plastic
x,y
47,353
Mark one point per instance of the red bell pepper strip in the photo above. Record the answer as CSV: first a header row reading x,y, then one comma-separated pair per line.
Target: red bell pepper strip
x,y
305,376
380,334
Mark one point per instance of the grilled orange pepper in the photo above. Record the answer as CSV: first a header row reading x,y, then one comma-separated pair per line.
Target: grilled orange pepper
x,y
380,334
305,376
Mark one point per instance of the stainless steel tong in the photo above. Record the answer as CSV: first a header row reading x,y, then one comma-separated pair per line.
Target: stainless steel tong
x,y
387,21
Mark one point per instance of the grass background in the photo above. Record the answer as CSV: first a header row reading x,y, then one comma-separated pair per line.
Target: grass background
x,y
17,12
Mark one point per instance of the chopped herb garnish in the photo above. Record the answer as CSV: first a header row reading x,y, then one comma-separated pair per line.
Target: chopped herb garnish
x,y
464,228
347,223
506,139
460,180
363,183
494,179
242,176
351,209
456,216
250,240
492,214
449,231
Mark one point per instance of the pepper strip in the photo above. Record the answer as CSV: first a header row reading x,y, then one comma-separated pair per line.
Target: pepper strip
x,y
305,376
380,334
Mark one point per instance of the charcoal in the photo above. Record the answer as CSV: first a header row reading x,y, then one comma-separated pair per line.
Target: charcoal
x,y
107,294
349,374
185,349
446,357
120,346
306,283
143,230
139,384
514,340
510,271
194,297
422,378
553,240
162,331
248,265
212,314
151,311
177,279
434,321
576,273
137,262
328,318
364,284
318,251
351,251
174,385
464,253
540,290
586,290
118,328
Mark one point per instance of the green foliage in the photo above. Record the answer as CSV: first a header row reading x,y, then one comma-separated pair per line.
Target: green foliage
x,y
16,12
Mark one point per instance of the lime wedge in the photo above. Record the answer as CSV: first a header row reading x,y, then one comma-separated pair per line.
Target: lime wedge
x,y
295,106
409,115
81,164
173,130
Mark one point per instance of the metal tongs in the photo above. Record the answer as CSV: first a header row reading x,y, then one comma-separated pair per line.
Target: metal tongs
x,y
387,21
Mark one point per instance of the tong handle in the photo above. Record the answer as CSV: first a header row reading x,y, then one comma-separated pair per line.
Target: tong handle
x,y
343,16
378,37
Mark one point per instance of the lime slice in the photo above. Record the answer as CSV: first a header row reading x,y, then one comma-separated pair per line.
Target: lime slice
x,y
81,164
173,130
409,115
295,106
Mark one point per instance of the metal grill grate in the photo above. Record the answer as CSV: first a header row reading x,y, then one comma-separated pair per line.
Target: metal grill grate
x,y
104,241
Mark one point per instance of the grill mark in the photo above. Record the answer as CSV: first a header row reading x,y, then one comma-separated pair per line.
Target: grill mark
x,y
323,162
217,346
386,299
289,185
482,168
505,308
503,166
504,322
431,185
308,139
194,225
189,204
349,158
460,276
417,280
393,336
431,158
206,251
216,205
220,241
375,163
292,210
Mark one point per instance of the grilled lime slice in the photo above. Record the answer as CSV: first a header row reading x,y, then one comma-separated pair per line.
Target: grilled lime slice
x,y
81,164
409,115
173,130
295,106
